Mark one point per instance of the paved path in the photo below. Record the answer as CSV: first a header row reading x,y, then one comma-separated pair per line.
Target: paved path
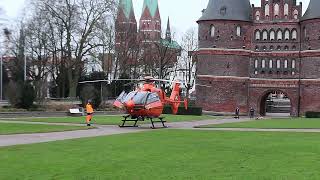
x,y
261,130
103,130
9,140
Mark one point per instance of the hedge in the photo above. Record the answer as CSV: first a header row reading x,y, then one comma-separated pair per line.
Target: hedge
x,y
312,114
197,111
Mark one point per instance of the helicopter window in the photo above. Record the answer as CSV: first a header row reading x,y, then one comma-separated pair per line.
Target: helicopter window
x,y
153,97
129,96
140,97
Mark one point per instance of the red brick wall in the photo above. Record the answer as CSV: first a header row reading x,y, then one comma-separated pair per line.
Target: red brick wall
x,y
222,94
310,96
223,65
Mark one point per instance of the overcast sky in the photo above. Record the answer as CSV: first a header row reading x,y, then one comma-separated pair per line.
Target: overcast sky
x,y
183,13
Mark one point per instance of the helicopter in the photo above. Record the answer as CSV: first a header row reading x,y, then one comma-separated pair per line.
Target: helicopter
x,y
147,102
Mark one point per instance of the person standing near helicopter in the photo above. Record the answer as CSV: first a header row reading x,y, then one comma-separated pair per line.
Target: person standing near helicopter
x,y
89,109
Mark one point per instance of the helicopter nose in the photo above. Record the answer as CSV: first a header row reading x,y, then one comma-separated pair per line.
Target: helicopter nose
x,y
130,104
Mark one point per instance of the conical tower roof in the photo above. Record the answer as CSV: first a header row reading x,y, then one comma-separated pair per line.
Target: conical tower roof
x,y
152,6
313,11
227,10
127,7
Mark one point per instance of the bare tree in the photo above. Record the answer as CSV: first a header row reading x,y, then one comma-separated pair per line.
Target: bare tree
x,y
187,62
38,51
160,57
77,21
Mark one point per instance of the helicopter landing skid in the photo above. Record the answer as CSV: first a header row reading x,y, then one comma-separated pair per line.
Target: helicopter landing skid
x,y
135,120
160,120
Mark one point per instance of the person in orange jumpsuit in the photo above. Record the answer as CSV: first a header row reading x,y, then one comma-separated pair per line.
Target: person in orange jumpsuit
x,y
90,111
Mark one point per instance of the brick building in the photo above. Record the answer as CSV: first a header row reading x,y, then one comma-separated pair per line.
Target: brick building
x,y
247,52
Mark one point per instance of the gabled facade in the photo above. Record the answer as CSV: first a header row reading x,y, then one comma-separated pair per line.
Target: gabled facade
x,y
150,22
247,53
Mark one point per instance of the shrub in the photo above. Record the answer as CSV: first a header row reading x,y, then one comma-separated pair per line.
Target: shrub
x,y
197,111
312,114
21,94
28,96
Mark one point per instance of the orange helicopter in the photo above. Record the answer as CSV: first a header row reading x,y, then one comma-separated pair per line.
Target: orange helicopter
x,y
148,102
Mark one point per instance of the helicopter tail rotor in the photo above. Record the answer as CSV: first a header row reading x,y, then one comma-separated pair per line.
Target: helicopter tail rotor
x,y
175,98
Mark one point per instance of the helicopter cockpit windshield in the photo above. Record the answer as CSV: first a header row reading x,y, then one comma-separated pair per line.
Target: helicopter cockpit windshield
x,y
122,97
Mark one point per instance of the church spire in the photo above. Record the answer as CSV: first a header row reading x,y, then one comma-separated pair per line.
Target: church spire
x,y
127,8
151,6
168,31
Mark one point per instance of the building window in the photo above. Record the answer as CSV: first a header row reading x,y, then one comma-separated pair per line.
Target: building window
x,y
258,15
212,30
295,14
256,62
294,34
265,35
270,64
272,35
279,48
287,35
267,10
238,31
276,10
264,48
257,35
278,64
286,48
294,48
279,35
223,11
285,63
293,64
305,32
263,64
286,10
257,48
271,47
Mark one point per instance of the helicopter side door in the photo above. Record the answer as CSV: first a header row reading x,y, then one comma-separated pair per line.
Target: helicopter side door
x,y
153,101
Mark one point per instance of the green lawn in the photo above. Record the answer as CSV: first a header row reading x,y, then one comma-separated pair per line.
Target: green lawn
x,y
289,123
17,128
111,120
168,154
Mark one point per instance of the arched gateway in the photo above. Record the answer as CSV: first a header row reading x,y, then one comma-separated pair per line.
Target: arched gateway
x,y
274,96
275,103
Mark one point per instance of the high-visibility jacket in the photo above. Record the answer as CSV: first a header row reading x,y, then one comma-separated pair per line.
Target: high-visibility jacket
x,y
89,108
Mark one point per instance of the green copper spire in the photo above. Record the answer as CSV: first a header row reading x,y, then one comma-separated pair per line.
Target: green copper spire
x,y
152,5
126,6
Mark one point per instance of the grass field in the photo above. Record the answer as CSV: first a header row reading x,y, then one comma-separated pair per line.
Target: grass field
x,y
168,154
290,123
110,120
16,128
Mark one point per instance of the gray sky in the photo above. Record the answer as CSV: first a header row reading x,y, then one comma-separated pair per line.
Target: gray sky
x,y
183,13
